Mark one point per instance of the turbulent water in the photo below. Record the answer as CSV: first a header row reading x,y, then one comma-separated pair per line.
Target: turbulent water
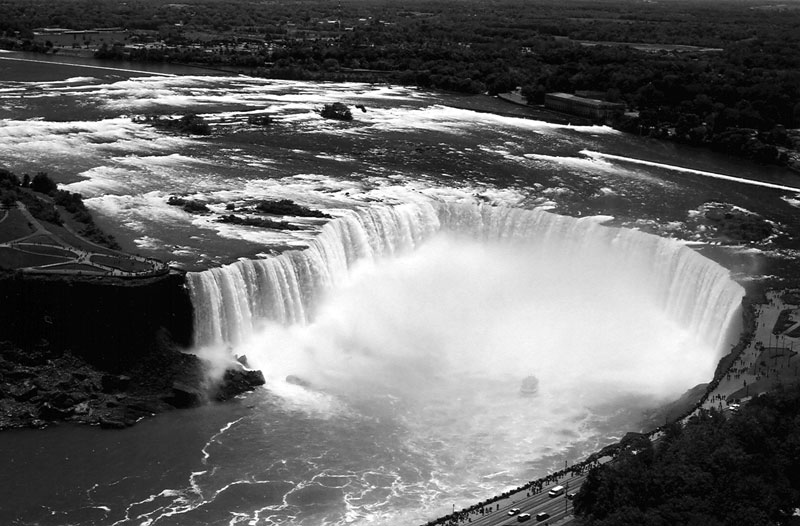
x,y
693,291
404,325
427,316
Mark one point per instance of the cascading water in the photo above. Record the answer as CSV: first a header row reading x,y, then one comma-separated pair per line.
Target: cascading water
x,y
230,301
413,327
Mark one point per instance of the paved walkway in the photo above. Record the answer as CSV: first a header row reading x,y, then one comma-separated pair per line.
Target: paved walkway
x,y
73,255
768,360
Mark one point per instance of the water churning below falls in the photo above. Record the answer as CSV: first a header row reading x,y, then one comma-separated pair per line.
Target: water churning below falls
x,y
419,321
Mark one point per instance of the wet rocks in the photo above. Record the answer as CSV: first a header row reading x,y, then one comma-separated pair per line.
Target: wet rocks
x,y
337,110
238,381
66,388
185,395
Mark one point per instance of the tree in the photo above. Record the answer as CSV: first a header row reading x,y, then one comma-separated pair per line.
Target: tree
x,y
716,470
43,184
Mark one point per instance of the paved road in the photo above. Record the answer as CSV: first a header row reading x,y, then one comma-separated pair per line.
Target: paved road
x,y
559,508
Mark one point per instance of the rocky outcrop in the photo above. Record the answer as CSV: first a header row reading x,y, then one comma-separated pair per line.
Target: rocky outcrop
x,y
101,351
336,110
108,322
47,385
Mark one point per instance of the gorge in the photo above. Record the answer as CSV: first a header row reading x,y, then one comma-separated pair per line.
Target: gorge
x,y
468,250
396,300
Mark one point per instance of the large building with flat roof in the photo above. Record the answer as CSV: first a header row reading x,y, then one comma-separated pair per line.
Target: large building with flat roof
x,y
582,106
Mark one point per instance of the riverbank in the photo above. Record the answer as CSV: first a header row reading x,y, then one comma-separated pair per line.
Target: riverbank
x,y
43,385
768,360
101,350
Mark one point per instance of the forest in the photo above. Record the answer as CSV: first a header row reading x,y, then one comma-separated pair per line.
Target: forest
x,y
718,469
720,74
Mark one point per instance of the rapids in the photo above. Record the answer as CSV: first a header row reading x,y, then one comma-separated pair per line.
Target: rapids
x,y
412,317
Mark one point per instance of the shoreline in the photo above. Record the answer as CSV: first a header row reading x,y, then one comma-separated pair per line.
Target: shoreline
x,y
746,358
727,389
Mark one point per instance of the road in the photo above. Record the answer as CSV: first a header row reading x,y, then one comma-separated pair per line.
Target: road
x,y
559,508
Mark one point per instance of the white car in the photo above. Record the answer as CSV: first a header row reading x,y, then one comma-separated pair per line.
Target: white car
x,y
514,511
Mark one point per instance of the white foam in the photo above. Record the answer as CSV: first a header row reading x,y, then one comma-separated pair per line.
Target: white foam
x,y
53,142
794,201
140,212
593,166
599,155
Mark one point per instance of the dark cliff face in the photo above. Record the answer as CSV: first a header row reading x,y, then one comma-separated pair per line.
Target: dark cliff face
x,y
111,323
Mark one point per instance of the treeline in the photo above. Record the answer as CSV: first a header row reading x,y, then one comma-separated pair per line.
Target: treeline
x,y
739,97
718,469
24,190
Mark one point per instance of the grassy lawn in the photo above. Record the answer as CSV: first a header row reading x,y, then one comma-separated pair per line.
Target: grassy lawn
x,y
11,258
121,263
77,266
45,250
15,226
76,241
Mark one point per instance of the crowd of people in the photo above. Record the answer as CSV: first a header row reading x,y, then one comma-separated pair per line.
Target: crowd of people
x,y
530,488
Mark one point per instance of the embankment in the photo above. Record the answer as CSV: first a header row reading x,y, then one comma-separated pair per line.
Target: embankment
x,y
105,351
108,322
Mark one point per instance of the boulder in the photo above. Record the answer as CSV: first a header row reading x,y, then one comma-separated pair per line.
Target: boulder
x,y
184,395
236,382
113,423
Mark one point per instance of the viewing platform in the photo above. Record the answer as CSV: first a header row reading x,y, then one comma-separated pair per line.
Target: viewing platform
x,y
32,246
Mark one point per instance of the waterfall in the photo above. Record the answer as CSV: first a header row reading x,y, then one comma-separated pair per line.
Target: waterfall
x,y
229,301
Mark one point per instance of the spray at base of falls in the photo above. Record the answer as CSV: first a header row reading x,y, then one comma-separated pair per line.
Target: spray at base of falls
x,y
420,321
230,301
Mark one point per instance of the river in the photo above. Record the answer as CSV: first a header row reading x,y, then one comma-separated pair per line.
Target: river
x,y
414,355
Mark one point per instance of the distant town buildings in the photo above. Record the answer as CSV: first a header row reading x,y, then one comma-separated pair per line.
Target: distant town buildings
x,y
94,38
582,106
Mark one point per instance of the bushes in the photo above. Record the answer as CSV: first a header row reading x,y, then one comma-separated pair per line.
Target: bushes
x,y
43,184
715,470
40,209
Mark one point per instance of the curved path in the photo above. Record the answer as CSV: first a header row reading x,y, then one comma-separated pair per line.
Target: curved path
x,y
72,256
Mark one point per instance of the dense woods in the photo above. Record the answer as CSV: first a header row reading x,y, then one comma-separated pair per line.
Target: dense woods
x,y
722,74
718,469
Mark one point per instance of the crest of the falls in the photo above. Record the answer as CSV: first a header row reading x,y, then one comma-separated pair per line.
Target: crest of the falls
x,y
230,301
